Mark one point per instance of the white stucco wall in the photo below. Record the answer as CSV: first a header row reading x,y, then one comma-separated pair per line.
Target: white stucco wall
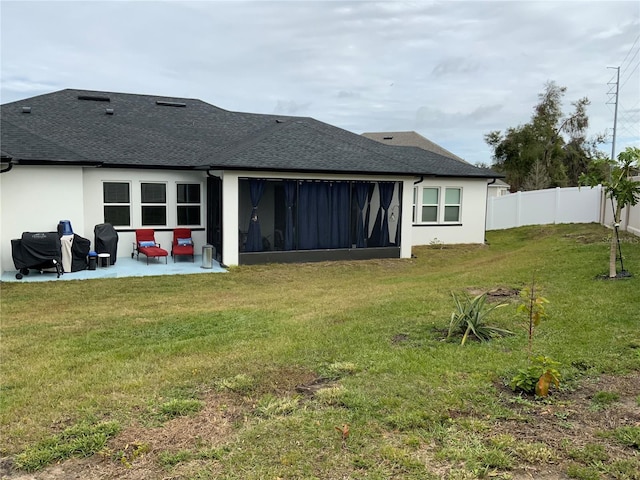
x,y
35,199
473,213
93,212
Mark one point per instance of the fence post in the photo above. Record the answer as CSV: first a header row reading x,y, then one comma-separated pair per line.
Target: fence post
x,y
518,206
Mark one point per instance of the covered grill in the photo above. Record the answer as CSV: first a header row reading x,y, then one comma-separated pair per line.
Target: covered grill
x,y
38,251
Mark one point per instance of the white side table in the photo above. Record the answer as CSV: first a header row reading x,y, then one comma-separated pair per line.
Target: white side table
x,y
104,260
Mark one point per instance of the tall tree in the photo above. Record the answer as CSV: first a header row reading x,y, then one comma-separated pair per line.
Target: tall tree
x,y
552,145
619,187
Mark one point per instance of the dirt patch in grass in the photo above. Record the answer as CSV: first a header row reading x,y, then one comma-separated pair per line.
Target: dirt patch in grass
x,y
134,454
400,338
311,388
495,294
573,423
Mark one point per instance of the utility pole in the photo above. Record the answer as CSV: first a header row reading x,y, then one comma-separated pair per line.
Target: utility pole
x,y
615,115
613,158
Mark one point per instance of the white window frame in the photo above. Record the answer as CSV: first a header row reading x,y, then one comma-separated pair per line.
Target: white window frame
x,y
118,204
154,204
199,204
445,205
418,205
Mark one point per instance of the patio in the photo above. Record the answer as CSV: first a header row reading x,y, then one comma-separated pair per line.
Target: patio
x,y
124,267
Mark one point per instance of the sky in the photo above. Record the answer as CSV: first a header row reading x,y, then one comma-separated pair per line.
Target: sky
x,y
450,70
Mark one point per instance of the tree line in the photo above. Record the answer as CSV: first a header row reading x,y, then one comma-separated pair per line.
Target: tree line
x,y
551,150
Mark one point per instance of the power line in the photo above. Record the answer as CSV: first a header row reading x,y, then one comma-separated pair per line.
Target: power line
x,y
631,74
630,50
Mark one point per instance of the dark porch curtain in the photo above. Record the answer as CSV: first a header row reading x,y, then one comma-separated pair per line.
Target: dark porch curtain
x,y
254,235
340,208
362,190
323,215
386,195
289,200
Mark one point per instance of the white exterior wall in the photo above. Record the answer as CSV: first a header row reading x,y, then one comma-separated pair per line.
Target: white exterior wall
x,y
35,199
93,204
473,213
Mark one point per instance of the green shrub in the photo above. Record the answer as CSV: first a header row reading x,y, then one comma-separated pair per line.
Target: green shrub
x,y
527,378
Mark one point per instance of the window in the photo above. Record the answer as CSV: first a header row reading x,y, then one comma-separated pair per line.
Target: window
x,y
452,202
430,205
437,205
188,208
117,203
153,197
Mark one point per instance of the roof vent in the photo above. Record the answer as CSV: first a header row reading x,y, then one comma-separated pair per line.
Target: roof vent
x,y
94,98
387,138
279,121
26,109
108,111
164,103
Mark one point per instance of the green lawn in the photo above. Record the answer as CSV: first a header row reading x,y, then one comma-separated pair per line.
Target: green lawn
x,y
223,354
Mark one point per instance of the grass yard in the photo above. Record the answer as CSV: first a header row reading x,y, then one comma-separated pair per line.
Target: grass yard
x,y
254,374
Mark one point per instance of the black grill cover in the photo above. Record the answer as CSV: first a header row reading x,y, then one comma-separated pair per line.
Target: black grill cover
x,y
106,240
79,251
36,250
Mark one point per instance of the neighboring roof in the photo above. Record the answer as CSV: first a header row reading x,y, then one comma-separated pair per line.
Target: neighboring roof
x,y
499,183
411,139
127,130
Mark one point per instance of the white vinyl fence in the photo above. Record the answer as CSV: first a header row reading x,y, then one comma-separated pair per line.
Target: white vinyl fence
x,y
539,207
558,205
629,219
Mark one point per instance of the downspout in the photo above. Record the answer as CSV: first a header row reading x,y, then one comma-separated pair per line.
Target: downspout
x,y
8,169
486,210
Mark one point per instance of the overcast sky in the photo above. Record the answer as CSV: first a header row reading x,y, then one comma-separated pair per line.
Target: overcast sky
x,y
450,70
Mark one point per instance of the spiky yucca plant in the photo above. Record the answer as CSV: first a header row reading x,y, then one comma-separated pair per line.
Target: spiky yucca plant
x,y
470,318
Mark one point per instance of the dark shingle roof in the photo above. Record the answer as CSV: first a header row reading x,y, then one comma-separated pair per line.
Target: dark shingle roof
x,y
125,130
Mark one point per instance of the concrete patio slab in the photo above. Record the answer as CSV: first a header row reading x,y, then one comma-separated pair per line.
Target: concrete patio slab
x,y
124,267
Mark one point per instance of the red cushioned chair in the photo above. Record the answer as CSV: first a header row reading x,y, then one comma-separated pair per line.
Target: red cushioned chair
x,y
146,244
182,243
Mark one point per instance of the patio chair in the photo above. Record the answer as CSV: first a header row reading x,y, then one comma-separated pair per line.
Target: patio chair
x,y
146,244
182,244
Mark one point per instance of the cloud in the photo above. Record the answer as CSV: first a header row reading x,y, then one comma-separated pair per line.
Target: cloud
x,y
291,107
450,70
455,66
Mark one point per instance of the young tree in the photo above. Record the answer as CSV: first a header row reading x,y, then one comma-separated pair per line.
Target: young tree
x,y
615,177
551,143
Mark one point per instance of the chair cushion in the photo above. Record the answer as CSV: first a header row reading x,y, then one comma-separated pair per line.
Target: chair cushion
x,y
185,241
154,251
148,243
